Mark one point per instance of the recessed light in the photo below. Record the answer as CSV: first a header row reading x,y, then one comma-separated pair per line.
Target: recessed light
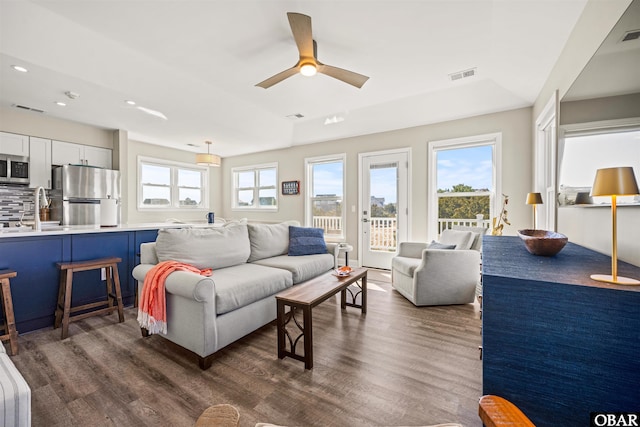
x,y
152,112
61,104
334,119
19,68
130,102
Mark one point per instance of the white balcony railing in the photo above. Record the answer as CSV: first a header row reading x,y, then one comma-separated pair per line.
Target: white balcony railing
x,y
445,223
332,225
383,230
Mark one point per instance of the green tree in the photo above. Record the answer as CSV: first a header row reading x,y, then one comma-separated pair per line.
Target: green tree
x,y
466,207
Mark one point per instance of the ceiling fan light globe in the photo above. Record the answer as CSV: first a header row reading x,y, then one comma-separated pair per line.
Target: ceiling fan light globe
x,y
308,70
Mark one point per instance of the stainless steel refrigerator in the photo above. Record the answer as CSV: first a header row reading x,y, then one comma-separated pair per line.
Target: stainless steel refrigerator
x,y
85,195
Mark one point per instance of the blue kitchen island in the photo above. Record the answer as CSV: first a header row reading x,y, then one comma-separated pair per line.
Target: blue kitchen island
x,y
33,255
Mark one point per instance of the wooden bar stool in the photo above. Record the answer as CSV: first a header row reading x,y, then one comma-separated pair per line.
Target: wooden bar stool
x,y
10,332
64,309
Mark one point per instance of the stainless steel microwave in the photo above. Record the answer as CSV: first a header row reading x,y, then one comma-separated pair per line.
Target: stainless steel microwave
x,y
14,169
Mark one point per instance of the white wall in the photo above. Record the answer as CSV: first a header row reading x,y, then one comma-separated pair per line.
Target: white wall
x,y
40,125
515,126
598,109
129,153
591,227
593,26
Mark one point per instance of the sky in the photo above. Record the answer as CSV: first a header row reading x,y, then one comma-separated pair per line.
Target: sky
x,y
470,166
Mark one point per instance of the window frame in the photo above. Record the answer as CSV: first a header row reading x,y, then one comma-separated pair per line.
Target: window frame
x,y
309,162
256,188
495,197
174,188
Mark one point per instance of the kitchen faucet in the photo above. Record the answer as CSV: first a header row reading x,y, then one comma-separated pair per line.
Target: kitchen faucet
x,y
37,226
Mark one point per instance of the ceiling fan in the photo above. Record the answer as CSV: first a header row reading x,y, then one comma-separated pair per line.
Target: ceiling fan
x,y
308,64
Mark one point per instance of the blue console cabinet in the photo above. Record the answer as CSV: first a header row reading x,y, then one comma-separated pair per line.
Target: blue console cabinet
x,y
556,343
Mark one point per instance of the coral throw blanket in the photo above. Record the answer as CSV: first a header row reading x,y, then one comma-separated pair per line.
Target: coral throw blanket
x,y
152,310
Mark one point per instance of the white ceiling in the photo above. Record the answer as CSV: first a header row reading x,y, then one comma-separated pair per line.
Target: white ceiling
x,y
198,61
614,68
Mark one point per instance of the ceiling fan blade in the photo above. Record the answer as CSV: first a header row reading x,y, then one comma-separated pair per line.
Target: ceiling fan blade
x,y
278,77
301,29
346,76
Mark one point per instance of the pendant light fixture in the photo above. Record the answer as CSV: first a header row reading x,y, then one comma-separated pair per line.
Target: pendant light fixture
x,y
208,159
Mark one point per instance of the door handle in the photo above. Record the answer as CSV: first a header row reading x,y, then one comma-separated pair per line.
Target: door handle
x,y
365,220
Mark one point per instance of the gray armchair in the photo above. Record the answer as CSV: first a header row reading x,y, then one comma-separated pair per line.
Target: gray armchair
x,y
429,276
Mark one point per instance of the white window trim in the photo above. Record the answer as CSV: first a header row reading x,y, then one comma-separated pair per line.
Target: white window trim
x,y
256,207
173,186
495,204
308,211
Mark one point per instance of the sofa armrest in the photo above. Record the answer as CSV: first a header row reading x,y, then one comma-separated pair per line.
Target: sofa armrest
x,y
457,268
411,249
148,253
184,283
449,260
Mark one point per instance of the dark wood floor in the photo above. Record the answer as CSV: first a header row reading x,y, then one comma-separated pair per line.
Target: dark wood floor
x,y
398,365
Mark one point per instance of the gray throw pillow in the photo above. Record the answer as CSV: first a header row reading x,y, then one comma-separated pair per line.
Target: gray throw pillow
x,y
462,239
269,240
436,245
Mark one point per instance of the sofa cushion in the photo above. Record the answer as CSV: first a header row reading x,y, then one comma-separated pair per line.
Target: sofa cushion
x,y
302,268
244,284
306,241
462,239
269,240
405,265
206,247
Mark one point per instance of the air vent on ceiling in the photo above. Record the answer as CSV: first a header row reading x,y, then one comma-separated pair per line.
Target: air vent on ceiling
x,y
24,107
295,116
192,145
631,35
462,74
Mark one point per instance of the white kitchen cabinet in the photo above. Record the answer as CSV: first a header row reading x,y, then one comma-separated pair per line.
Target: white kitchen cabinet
x,y
97,156
14,144
65,153
39,162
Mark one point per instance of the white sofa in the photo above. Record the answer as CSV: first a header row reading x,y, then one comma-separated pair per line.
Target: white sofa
x,y
15,394
250,266
439,273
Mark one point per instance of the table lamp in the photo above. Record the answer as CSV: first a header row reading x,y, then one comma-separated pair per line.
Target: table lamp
x,y
615,182
534,199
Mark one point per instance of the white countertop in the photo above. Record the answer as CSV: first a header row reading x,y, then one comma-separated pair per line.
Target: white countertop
x,y
83,229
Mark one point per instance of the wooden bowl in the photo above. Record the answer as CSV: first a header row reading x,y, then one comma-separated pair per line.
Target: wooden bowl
x,y
543,242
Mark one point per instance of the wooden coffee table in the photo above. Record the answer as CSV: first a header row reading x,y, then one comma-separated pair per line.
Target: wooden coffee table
x,y
304,297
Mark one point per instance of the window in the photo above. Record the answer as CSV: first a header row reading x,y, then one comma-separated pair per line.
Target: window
x,y
255,187
324,204
171,185
464,182
585,150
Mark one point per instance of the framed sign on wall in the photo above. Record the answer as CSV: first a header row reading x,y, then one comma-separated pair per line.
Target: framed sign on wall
x,y
290,188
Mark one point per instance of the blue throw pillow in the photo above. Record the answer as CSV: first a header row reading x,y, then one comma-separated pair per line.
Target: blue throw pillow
x,y
306,241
